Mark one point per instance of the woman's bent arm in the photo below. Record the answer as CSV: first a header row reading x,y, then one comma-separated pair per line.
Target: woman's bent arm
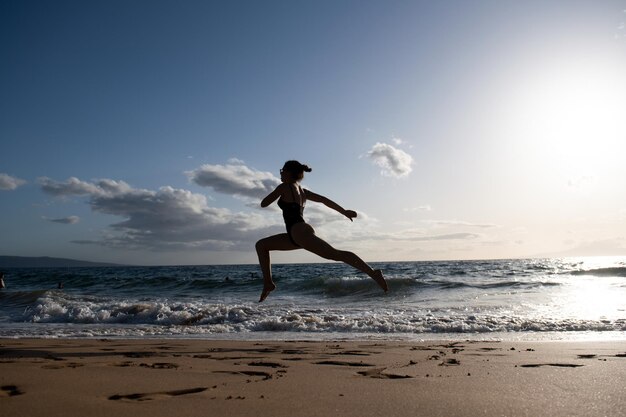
x,y
271,197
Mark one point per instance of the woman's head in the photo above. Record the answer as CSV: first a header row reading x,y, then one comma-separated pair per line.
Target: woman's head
x,y
294,170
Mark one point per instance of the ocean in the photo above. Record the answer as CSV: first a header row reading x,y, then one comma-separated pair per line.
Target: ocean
x,y
528,299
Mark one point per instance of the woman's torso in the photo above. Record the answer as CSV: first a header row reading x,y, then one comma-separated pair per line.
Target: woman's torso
x,y
291,203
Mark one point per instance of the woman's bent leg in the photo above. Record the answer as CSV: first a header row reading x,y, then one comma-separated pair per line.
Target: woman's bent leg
x,y
263,248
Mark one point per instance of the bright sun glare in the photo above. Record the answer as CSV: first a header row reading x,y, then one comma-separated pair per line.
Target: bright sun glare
x,y
569,117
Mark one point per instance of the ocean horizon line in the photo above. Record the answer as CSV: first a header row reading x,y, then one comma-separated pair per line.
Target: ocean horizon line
x,y
11,261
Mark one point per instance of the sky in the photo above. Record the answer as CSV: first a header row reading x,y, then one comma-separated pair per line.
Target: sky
x,y
147,132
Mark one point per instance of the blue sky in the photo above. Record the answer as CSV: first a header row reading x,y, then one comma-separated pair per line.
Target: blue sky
x,y
146,131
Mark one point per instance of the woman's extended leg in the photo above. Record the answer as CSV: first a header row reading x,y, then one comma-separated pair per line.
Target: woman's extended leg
x,y
305,236
263,248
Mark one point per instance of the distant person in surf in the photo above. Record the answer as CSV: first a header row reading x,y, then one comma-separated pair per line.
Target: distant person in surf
x,y
2,286
300,235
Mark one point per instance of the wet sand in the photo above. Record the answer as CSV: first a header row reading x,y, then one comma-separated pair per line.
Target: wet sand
x,y
44,377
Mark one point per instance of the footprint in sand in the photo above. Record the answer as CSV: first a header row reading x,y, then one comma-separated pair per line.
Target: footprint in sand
x,y
159,365
10,391
294,352
381,374
156,395
342,363
450,362
353,353
69,365
560,365
265,375
268,364
136,355
423,348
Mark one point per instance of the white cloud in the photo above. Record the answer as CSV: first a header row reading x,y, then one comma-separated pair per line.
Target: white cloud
x,y
419,208
168,218
234,178
450,236
579,182
74,186
8,182
64,220
429,238
409,235
459,223
393,161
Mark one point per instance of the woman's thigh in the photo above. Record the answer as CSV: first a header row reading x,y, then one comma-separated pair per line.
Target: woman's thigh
x,y
277,242
305,236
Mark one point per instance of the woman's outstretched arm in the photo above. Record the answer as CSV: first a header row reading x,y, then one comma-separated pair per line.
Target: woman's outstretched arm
x,y
351,214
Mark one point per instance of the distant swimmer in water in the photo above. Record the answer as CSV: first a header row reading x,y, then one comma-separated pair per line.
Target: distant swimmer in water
x,y
300,235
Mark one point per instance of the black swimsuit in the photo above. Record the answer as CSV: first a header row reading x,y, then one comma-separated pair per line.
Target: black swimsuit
x,y
292,213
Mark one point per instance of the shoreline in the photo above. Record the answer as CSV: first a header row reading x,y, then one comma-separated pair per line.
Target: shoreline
x,y
53,331
191,377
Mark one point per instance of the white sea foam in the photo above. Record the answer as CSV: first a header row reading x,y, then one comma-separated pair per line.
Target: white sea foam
x,y
197,317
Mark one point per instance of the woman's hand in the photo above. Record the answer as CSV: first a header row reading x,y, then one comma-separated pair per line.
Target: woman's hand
x,y
351,214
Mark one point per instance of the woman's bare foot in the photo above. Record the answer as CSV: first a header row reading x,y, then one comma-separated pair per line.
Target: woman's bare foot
x,y
380,280
267,289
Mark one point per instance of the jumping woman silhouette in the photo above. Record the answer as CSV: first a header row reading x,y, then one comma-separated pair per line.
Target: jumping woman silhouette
x,y
300,235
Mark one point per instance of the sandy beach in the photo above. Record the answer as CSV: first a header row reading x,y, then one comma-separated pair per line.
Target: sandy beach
x,y
43,377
